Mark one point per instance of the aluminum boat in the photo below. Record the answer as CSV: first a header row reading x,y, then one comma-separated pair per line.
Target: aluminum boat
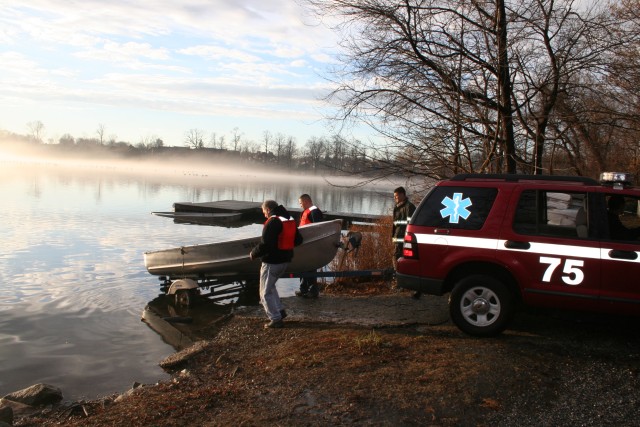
x,y
231,258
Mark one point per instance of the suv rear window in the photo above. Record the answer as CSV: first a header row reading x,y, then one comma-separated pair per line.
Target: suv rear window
x,y
455,207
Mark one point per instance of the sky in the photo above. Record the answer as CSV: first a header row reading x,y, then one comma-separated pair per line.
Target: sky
x,y
146,69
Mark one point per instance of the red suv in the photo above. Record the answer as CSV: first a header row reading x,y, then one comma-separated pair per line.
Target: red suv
x,y
494,241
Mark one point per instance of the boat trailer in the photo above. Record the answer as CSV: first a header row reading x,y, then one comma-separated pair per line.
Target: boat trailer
x,y
219,288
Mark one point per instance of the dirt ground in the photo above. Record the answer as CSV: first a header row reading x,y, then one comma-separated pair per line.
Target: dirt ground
x,y
365,354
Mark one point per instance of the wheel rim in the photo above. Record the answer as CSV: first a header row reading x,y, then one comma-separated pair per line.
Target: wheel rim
x,y
480,306
183,298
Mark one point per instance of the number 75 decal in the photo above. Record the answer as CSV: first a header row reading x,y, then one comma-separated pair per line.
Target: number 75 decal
x,y
573,274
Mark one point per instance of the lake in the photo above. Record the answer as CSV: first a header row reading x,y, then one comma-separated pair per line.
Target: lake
x,y
72,279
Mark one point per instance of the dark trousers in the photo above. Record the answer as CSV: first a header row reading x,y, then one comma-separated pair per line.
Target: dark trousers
x,y
309,285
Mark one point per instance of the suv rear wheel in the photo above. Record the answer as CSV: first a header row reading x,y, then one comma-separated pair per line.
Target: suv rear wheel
x,y
481,305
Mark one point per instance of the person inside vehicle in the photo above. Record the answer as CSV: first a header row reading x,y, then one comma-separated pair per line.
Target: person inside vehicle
x,y
617,230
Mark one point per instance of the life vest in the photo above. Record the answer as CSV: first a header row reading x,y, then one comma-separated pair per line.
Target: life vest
x,y
305,218
287,237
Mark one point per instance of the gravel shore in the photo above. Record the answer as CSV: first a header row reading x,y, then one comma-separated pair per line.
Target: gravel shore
x,y
386,360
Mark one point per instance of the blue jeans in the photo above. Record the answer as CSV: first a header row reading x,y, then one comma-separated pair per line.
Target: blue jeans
x,y
269,275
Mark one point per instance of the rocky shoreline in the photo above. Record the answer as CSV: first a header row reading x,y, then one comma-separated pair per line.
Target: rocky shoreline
x,y
383,360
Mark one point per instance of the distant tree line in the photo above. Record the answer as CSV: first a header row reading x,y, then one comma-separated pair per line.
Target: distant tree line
x,y
279,151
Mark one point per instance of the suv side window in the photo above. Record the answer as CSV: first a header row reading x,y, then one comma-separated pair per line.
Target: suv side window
x,y
623,218
455,207
552,213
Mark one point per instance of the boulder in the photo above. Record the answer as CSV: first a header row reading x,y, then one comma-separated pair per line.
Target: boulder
x,y
17,409
36,395
176,360
6,414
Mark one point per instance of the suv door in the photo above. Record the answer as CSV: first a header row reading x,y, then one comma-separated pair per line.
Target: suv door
x,y
552,248
620,253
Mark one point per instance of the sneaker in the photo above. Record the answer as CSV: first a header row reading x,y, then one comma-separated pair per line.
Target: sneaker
x,y
283,314
275,324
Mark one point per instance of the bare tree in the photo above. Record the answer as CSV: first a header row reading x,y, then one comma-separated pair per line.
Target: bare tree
x,y
194,138
150,142
216,142
249,147
336,151
280,144
290,151
36,129
266,140
456,85
101,131
315,148
236,137
67,139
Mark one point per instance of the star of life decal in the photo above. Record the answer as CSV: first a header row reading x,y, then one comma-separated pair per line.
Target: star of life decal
x,y
455,208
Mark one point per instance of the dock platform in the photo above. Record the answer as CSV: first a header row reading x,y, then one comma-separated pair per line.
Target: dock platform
x,y
251,211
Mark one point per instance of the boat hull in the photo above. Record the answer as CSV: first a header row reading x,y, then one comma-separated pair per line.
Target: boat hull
x,y
231,258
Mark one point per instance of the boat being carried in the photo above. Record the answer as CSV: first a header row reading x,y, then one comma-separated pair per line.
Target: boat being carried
x,y
231,258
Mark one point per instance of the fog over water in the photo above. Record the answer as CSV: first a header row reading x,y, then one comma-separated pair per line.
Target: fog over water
x,y
72,278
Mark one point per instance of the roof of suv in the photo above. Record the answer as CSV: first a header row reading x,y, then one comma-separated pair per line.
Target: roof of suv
x,y
519,178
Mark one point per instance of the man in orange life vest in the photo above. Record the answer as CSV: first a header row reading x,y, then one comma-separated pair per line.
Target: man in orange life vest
x,y
279,236
310,214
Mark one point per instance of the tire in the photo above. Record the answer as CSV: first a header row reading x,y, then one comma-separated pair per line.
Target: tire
x,y
481,306
185,297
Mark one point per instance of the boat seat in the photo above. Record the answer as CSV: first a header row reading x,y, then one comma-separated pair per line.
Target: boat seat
x,y
582,227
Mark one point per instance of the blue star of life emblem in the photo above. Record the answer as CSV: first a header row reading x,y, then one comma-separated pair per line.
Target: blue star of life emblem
x,y
455,208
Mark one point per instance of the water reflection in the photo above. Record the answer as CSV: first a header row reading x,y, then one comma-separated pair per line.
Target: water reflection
x,y
72,277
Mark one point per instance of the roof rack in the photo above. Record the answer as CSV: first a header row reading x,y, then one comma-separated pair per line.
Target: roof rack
x,y
522,177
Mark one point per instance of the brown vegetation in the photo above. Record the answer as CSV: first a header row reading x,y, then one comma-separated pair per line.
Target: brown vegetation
x,y
547,370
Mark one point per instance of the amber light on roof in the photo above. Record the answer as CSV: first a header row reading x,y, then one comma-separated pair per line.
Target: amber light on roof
x,y
616,179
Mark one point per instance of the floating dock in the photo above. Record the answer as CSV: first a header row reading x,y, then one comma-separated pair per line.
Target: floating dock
x,y
252,211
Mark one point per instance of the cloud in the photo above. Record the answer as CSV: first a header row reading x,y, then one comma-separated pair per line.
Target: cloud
x,y
130,54
218,53
235,58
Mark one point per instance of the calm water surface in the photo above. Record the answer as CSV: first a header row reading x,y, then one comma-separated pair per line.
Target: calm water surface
x,y
72,278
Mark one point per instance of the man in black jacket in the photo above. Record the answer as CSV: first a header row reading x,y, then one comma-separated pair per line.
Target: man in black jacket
x,y
279,236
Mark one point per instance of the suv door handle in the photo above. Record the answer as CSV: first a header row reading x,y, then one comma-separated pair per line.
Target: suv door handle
x,y
615,253
511,244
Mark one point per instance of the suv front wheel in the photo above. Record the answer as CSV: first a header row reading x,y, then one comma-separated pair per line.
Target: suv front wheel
x,y
481,305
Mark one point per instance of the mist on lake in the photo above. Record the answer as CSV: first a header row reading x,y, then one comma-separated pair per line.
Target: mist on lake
x,y
72,279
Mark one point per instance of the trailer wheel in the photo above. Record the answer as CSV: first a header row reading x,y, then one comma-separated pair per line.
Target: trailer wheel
x,y
185,297
250,293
